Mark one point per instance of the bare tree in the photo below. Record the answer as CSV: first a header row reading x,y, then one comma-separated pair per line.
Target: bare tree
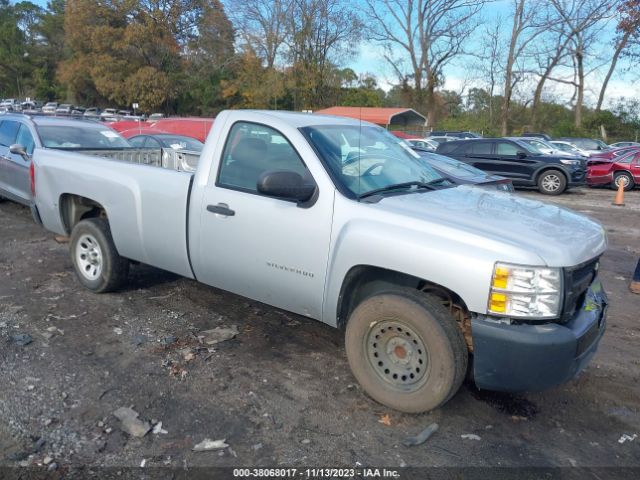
x,y
584,22
262,25
628,36
320,35
430,33
491,67
526,27
552,52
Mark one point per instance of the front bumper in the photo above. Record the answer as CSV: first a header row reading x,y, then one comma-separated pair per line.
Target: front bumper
x,y
527,357
577,177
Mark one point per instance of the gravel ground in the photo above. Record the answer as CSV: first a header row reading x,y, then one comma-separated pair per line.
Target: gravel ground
x,y
280,392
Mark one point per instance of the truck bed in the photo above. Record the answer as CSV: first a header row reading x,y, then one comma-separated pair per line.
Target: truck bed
x,y
180,160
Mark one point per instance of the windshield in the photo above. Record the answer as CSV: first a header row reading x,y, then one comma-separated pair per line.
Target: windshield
x,y
80,136
178,142
367,158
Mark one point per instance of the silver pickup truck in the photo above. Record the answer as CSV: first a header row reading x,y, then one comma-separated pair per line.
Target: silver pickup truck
x,y
339,221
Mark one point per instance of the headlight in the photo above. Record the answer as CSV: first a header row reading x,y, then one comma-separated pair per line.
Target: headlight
x,y
525,292
570,162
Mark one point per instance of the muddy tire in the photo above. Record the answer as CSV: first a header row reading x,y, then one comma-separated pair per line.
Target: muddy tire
x,y
552,182
97,263
406,350
624,178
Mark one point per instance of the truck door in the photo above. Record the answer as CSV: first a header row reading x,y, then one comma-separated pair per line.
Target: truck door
x,y
265,248
14,169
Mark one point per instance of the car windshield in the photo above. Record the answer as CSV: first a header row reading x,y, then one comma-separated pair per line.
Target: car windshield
x,y
80,136
453,167
368,158
179,142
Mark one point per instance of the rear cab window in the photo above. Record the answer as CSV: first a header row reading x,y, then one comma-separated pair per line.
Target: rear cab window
x,y
8,132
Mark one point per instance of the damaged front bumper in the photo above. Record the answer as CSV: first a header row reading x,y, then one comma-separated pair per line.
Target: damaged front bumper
x,y
529,357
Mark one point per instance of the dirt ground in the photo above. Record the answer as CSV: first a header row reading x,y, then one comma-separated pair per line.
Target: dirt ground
x,y
280,392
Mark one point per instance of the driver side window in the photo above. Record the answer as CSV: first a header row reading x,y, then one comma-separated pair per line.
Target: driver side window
x,y
253,149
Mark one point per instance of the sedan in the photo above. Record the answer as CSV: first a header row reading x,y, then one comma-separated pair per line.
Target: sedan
x,y
623,170
624,144
166,140
462,173
424,143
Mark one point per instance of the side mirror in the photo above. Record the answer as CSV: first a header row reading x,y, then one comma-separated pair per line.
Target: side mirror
x,y
521,154
17,149
286,185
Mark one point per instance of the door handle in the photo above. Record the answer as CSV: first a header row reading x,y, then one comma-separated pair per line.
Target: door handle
x,y
221,209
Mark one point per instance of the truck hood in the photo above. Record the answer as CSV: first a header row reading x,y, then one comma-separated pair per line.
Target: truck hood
x,y
560,237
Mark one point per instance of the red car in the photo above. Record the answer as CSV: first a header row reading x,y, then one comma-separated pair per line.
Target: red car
x,y
193,127
623,169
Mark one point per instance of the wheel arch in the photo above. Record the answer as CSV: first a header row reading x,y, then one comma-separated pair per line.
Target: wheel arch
x,y
363,281
74,208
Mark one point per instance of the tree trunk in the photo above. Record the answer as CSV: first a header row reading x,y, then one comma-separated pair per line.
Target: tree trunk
x,y
506,99
612,67
580,93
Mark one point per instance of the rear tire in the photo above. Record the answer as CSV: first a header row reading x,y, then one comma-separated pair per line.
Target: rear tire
x,y
97,263
552,182
406,350
622,177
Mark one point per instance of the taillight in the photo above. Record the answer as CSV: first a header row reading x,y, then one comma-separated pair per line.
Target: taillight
x,y
32,179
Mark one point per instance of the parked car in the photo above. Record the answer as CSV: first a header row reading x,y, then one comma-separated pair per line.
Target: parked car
x,y
461,173
624,144
166,140
589,145
545,147
10,105
543,136
64,108
423,143
440,139
155,116
624,170
32,106
92,113
109,114
455,134
513,159
416,273
569,148
21,135
50,107
612,153
194,127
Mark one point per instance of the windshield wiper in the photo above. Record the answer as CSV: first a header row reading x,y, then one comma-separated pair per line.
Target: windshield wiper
x,y
398,186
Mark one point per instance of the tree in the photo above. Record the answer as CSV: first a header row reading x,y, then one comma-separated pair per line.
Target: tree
x,y
429,34
14,54
320,35
526,27
584,22
627,35
262,25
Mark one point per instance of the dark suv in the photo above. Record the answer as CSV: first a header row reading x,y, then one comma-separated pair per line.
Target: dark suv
x,y
524,165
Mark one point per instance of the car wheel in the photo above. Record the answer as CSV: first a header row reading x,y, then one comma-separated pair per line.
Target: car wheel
x,y
552,182
406,350
624,179
98,265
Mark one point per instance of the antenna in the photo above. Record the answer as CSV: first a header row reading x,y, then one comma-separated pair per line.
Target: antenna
x,y
359,150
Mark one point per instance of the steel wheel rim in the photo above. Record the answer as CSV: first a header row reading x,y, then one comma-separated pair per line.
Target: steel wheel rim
x,y
622,179
89,257
551,183
398,355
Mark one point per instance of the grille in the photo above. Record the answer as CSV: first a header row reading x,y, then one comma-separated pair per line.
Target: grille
x,y
576,282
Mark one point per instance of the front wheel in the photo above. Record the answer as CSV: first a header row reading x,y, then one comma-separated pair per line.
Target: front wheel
x,y
623,178
406,350
98,265
552,182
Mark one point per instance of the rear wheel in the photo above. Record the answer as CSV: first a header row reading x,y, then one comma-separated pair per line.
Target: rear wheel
x,y
623,178
98,265
406,350
552,182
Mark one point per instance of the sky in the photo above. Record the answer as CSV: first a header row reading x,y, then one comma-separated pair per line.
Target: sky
x,y
458,77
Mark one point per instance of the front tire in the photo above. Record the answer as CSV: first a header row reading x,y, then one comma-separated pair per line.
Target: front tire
x,y
552,182
625,179
97,263
406,350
